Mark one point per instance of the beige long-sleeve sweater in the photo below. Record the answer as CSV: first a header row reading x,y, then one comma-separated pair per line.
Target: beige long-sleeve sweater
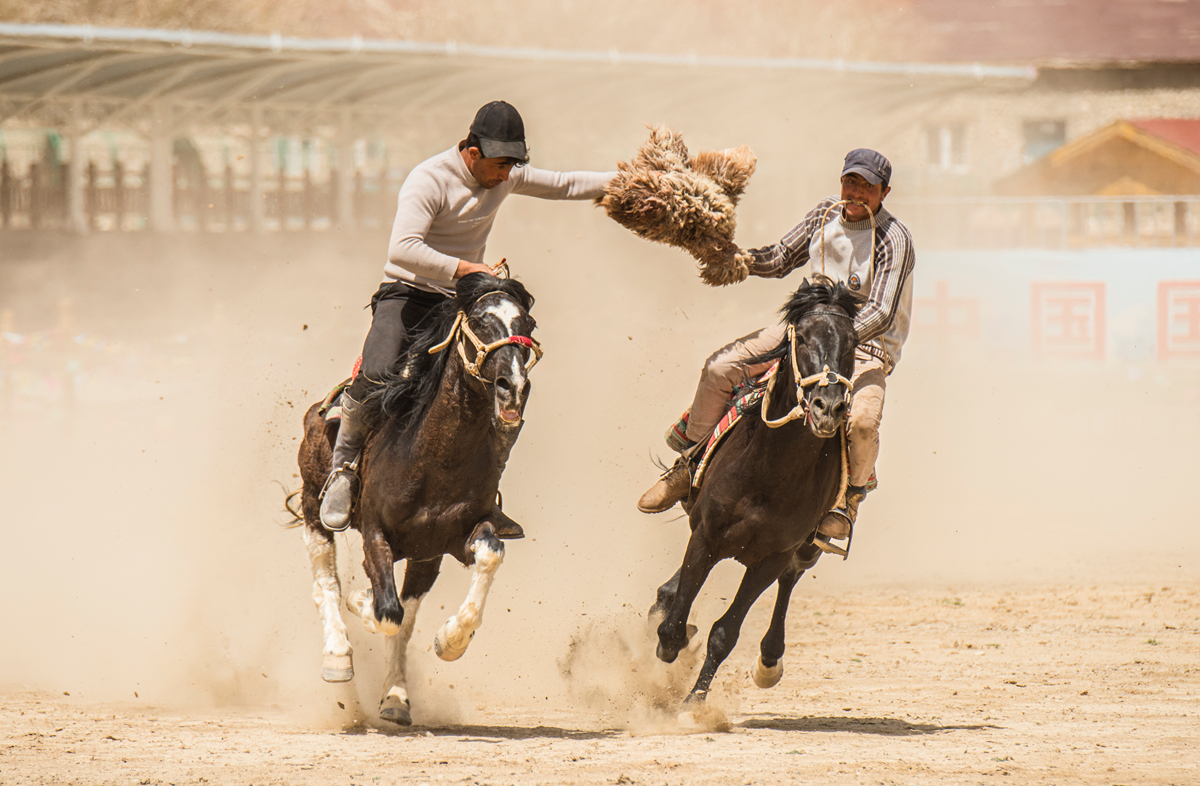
x,y
444,215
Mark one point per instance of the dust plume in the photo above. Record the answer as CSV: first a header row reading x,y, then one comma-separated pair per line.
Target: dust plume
x,y
152,416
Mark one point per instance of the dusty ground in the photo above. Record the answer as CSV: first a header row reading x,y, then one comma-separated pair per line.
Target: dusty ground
x,y
1040,685
1022,605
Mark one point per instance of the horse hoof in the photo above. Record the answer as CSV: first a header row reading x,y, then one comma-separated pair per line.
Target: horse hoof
x,y
337,668
395,710
666,655
764,676
445,651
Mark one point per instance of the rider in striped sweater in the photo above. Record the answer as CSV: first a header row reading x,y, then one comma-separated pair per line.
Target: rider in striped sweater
x,y
879,268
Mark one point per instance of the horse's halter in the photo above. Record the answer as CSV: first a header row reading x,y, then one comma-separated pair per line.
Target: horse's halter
x,y
822,379
483,350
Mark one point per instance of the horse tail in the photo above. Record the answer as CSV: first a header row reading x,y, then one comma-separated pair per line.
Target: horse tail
x,y
289,506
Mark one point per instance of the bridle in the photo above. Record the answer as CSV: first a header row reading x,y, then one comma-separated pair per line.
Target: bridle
x,y
822,379
482,350
825,377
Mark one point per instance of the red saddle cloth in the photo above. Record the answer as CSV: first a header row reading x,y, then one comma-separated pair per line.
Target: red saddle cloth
x,y
331,407
743,398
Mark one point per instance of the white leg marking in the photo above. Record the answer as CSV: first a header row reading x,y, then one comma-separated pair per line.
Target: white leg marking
x,y
361,602
337,665
764,677
396,684
451,641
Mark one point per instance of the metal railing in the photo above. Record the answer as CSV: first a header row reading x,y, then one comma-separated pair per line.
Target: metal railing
x,y
1052,222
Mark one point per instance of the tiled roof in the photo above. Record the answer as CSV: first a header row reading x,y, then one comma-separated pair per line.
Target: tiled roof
x,y
1182,133
1048,31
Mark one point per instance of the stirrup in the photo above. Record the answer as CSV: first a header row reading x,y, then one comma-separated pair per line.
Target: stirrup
x,y
822,541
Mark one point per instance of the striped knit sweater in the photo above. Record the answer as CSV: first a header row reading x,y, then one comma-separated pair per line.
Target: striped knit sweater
x,y
885,282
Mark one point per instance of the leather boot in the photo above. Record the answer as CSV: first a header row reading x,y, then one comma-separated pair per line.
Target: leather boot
x,y
670,488
338,495
838,524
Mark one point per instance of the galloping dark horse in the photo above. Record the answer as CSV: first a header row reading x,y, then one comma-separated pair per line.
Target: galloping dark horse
x,y
444,425
767,487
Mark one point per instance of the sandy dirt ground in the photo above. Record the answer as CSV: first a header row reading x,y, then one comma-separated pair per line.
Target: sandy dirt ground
x,y
1021,606
1047,685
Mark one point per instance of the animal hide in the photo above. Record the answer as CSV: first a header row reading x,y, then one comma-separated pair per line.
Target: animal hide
x,y
668,196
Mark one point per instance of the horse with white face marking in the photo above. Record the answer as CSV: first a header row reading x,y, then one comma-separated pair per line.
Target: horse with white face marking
x,y
443,426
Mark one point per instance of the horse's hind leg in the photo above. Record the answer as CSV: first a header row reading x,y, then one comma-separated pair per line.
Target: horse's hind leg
x,y
337,663
451,641
768,668
725,631
418,578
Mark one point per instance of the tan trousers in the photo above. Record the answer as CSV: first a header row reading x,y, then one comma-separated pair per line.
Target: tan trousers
x,y
726,368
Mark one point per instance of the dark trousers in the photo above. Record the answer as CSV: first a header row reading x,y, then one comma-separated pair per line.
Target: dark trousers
x,y
397,311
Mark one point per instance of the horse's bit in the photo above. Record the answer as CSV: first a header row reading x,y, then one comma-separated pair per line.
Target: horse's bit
x,y
822,379
483,350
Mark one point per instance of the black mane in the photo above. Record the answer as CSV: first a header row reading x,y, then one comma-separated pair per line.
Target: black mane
x,y
406,391
819,292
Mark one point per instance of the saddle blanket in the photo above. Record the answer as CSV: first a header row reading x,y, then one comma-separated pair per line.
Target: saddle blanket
x,y
743,398
331,407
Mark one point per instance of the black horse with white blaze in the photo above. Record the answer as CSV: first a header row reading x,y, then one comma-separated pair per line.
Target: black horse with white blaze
x,y
765,490
443,426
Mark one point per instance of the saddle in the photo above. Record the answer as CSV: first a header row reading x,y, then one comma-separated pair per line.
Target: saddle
x,y
331,407
742,398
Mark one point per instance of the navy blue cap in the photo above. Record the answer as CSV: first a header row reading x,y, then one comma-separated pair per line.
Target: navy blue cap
x,y
871,165
501,131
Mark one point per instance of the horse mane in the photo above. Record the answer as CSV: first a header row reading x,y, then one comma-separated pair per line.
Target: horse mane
x,y
406,391
821,291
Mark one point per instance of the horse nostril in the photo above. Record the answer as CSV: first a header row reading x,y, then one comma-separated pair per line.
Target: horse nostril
x,y
820,405
504,384
525,389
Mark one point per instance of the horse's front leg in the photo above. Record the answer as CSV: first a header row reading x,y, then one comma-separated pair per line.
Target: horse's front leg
x,y
380,611
768,667
486,552
674,632
337,663
725,631
418,579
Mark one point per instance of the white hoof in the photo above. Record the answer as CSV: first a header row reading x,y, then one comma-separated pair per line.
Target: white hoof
x,y
766,677
451,642
337,668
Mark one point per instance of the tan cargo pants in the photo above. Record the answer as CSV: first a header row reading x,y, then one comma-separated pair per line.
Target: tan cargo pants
x,y
726,368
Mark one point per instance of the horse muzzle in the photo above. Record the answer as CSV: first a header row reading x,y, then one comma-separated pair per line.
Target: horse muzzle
x,y
511,395
826,412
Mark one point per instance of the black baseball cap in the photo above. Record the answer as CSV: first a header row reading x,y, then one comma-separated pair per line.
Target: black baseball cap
x,y
871,165
500,130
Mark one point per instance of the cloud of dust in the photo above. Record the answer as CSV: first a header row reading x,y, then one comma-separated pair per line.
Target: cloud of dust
x,y
144,465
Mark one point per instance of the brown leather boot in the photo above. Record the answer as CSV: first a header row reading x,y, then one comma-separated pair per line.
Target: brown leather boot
x,y
670,488
838,524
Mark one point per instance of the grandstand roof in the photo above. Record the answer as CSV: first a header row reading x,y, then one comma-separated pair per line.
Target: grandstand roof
x,y
207,77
